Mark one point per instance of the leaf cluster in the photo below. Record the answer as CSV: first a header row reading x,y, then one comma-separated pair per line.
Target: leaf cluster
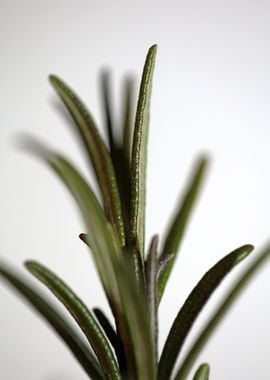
x,y
133,278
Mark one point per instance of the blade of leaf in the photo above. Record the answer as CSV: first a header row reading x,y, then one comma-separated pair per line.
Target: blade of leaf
x,y
202,372
98,153
56,321
82,315
107,107
151,285
193,306
100,236
139,152
112,337
137,319
221,311
179,222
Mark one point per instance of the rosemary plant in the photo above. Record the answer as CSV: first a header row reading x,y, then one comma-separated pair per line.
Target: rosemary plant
x,y
133,278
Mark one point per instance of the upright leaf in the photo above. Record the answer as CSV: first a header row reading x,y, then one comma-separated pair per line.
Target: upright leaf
x,y
202,372
179,222
139,152
192,307
82,315
137,319
56,321
151,285
220,312
98,154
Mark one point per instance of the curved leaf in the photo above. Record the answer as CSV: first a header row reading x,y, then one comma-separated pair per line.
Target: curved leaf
x,y
82,315
56,321
139,152
100,234
220,313
202,372
179,222
192,307
98,153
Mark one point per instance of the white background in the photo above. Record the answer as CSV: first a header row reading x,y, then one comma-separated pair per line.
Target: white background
x,y
211,93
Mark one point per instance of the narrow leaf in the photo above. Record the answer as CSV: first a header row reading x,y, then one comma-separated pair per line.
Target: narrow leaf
x,y
139,153
100,239
202,372
151,283
179,222
98,154
138,324
112,337
82,315
192,307
100,235
56,321
221,311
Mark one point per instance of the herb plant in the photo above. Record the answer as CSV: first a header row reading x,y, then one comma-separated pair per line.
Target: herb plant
x,y
133,278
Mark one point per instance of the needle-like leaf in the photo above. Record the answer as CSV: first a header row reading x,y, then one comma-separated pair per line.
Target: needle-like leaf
x,y
137,319
151,287
113,338
98,154
100,235
220,312
192,307
202,372
56,321
82,315
179,222
139,153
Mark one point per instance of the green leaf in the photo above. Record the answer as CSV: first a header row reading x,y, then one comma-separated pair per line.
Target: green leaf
x,y
220,312
137,319
151,285
100,235
202,372
179,222
98,154
100,238
112,337
56,321
82,315
193,306
139,153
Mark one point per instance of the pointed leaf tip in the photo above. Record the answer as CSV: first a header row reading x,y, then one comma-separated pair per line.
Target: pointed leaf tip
x,y
139,154
193,305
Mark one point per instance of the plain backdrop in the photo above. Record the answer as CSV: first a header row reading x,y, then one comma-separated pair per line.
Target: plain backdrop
x,y
211,94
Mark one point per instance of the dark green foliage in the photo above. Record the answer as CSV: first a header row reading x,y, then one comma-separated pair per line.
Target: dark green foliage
x,y
133,282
